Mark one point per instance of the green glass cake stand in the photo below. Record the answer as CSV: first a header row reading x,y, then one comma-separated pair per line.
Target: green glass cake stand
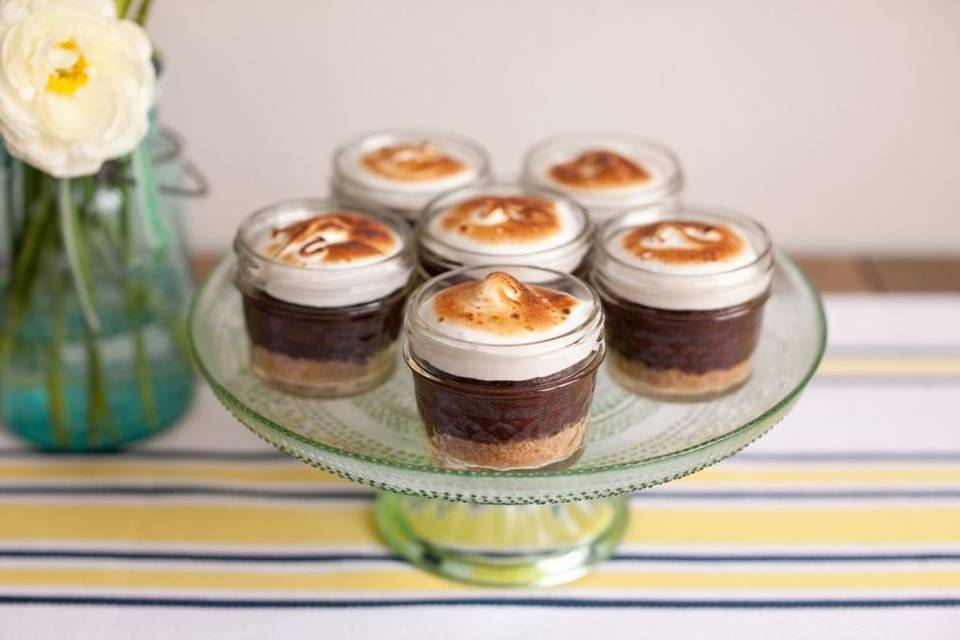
x,y
511,528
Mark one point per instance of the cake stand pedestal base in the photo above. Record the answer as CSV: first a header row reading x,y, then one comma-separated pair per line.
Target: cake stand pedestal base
x,y
502,545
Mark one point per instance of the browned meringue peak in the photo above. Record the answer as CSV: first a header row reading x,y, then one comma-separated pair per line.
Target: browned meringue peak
x,y
502,305
683,242
338,237
503,219
600,169
416,162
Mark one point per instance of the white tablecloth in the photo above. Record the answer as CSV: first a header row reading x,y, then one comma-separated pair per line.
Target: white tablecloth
x,y
843,522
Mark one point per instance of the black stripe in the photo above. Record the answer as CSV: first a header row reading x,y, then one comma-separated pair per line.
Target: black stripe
x,y
194,490
575,603
152,454
786,558
201,455
363,494
57,554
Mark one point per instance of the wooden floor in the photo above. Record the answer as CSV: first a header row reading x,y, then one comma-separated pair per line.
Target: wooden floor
x,y
831,274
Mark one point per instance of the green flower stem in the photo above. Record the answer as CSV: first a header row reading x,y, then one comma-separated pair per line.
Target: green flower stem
x,y
75,248
178,329
54,372
144,12
25,270
73,237
98,409
135,298
144,379
155,230
123,6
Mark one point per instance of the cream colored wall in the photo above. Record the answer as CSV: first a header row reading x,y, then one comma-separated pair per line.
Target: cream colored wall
x,y
837,123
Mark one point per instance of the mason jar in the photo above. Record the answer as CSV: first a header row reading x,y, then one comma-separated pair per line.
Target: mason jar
x,y
402,170
504,371
606,173
683,293
323,290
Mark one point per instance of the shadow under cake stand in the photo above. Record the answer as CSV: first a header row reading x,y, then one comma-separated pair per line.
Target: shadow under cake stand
x,y
511,528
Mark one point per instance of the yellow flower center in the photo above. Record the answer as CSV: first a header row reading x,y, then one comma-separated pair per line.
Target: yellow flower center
x,y
66,80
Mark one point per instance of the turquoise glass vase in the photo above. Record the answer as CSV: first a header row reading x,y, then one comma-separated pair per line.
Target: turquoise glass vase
x,y
95,287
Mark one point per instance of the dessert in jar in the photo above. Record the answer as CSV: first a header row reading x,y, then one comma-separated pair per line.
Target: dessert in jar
x,y
401,171
606,173
323,289
503,223
504,370
683,293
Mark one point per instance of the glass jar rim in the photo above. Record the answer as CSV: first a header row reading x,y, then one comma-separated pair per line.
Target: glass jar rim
x,y
433,209
318,206
672,184
655,214
483,159
415,301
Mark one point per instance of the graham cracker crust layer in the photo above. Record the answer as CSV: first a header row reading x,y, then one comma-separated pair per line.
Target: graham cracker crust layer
x,y
321,378
555,451
676,384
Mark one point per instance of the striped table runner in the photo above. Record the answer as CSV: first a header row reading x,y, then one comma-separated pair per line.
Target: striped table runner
x,y
843,522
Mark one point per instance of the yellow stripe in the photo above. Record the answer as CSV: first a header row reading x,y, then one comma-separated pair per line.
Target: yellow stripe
x,y
278,525
406,579
254,476
184,523
893,476
925,365
289,472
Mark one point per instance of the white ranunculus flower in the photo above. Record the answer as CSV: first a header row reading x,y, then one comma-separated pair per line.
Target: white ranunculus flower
x,y
76,84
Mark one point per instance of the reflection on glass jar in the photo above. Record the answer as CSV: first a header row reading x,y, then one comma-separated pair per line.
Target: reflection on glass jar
x,y
606,173
503,223
504,371
402,170
95,288
323,291
683,293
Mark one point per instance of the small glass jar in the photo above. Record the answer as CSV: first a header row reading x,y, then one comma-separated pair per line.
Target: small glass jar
x,y
402,170
606,173
687,330
318,329
496,404
503,223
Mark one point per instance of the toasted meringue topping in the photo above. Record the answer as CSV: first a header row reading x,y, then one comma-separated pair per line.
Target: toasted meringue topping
x,y
683,242
503,306
600,169
502,219
339,238
412,162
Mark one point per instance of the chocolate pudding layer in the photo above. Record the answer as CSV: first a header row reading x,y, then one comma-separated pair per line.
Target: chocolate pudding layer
x,y
681,352
683,293
506,424
323,291
316,347
503,370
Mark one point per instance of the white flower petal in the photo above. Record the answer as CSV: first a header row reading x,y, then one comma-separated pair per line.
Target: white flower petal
x,y
76,84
